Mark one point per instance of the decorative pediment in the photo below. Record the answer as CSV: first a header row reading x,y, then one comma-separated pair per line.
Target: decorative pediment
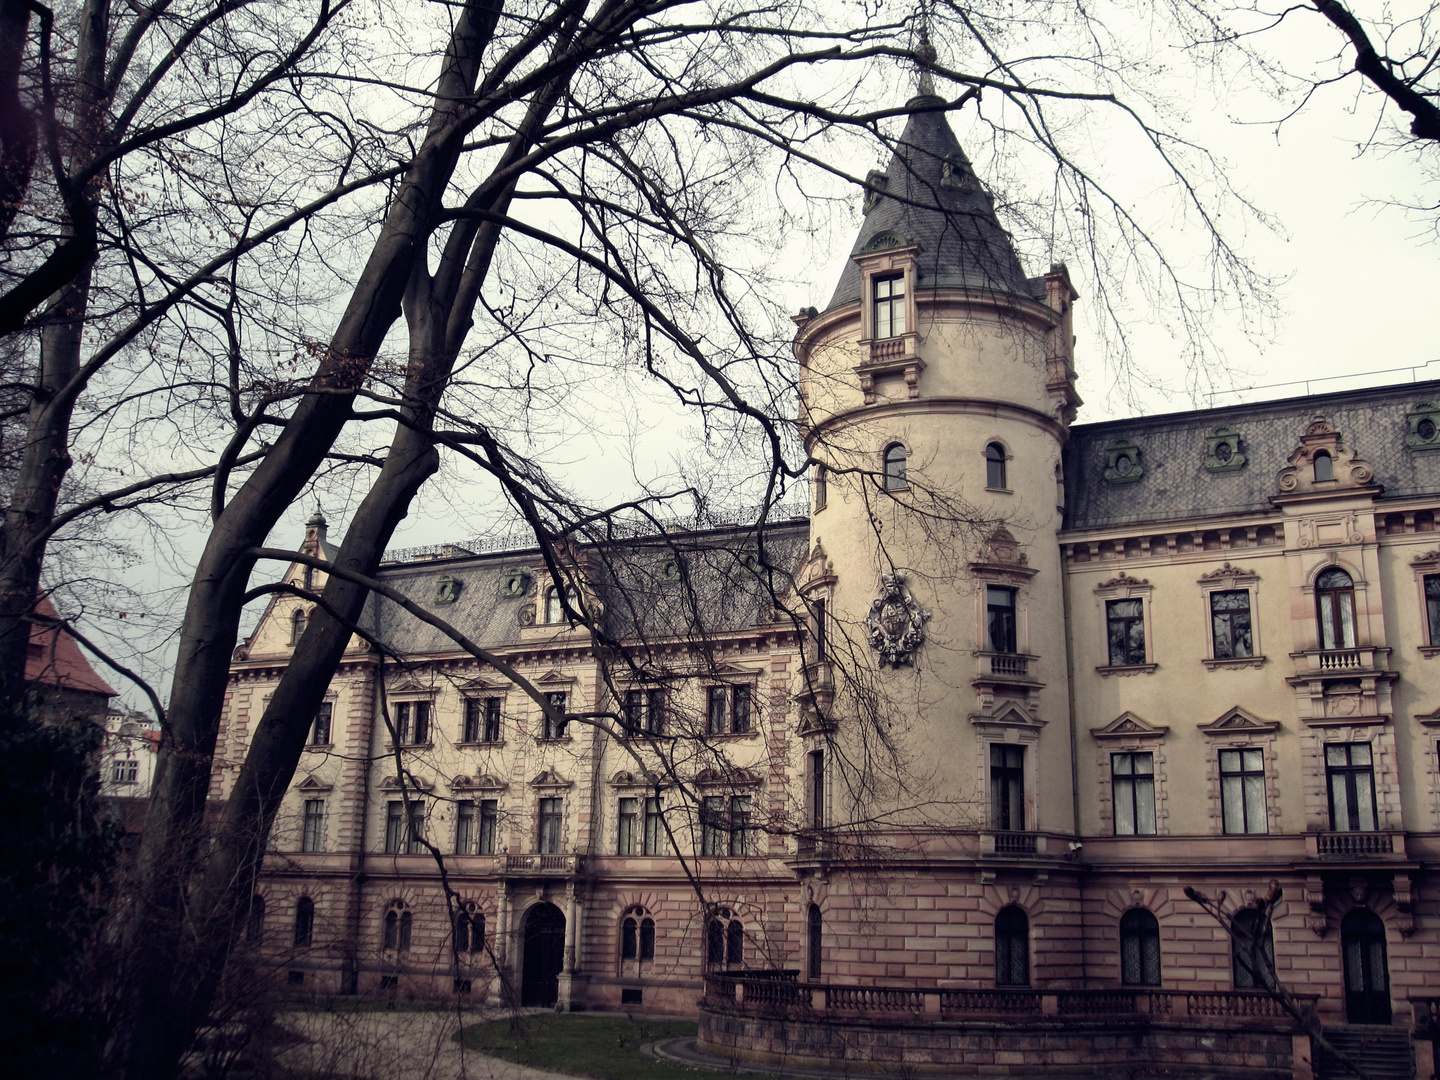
x,y
1124,581
549,778
732,777
409,686
552,677
1004,561
1429,719
478,683
816,571
1308,474
1238,721
1008,714
725,670
1228,572
417,783
634,778
1129,726
483,782
887,240
311,783
1429,560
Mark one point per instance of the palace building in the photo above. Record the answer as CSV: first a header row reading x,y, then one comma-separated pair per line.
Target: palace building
x,y
921,773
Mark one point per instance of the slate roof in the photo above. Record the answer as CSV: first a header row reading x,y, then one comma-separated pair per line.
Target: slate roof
x,y
934,199
1176,485
716,589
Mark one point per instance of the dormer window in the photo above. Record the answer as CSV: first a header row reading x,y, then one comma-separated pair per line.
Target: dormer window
x,y
1324,467
889,306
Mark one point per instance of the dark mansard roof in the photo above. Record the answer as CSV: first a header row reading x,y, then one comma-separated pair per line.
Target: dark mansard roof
x,y
933,199
683,586
1176,484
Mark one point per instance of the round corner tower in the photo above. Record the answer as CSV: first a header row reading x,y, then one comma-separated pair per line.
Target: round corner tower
x,y
936,392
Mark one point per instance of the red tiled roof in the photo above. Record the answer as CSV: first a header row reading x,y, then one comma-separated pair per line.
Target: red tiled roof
x,y
56,660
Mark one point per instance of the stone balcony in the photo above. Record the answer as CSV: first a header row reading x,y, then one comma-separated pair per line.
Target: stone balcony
x,y
1356,846
1006,669
545,866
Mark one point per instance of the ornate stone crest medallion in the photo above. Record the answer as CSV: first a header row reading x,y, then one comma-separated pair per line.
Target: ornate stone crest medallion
x,y
896,622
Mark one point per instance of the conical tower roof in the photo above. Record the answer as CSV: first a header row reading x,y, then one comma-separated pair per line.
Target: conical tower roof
x,y
933,199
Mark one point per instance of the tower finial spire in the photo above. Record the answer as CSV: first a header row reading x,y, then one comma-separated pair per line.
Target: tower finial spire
x,y
924,52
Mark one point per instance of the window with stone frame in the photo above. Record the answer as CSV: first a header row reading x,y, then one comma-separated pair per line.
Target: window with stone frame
x,y
1252,951
320,726
312,833
482,720
645,711
1007,787
553,727
1350,784
1132,786
889,305
627,825
995,467
550,825
728,709
637,938
713,833
1431,585
1000,619
1230,635
653,836
412,723
1139,948
724,940
1012,947
894,462
397,927
1242,791
304,922
1125,632
1335,609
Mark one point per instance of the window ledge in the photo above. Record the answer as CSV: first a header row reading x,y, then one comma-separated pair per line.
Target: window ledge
x,y
320,746
1428,651
1214,662
1127,669
492,745
389,746
543,739
730,735
1003,491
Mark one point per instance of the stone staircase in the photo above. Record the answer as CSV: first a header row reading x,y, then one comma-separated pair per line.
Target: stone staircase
x,y
1385,1053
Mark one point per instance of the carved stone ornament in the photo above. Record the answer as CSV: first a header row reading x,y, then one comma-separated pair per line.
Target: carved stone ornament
x,y
447,590
1341,470
896,622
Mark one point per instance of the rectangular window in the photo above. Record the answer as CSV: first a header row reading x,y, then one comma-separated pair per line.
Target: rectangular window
x,y
126,771
1000,618
1132,778
1230,624
712,825
470,729
890,306
1007,787
482,720
820,631
464,828
654,828
740,712
1125,625
313,837
716,711
742,835
1432,607
416,833
320,729
645,711
635,710
412,723
1242,791
1350,776
817,789
555,729
489,825
394,826
818,484
551,817
491,731
629,814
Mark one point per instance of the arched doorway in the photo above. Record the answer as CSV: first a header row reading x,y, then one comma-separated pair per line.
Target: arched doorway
x,y
1367,971
544,955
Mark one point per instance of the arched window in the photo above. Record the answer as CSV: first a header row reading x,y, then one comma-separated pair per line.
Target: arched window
x,y
469,930
1366,968
647,939
715,943
895,468
1324,466
1252,952
255,924
298,621
629,939
554,610
1335,608
304,922
477,932
816,926
995,466
398,923
734,944
1012,947
1139,948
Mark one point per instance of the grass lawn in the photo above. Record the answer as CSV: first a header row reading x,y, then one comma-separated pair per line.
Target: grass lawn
x,y
606,1047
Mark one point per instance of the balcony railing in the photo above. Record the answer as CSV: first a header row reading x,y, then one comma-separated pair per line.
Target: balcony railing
x,y
1006,666
538,864
1015,843
1354,844
1255,1007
